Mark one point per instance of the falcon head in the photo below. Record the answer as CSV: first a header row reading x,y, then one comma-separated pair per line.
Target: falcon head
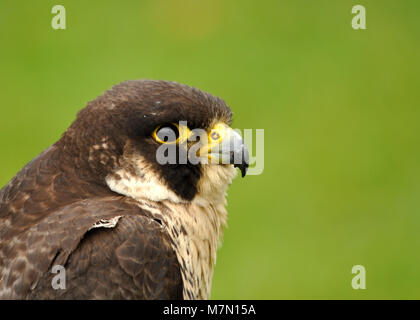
x,y
157,140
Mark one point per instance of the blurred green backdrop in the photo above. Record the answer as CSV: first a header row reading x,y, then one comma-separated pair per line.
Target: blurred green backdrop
x,y
340,109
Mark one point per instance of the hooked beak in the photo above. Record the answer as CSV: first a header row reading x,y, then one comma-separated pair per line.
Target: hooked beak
x,y
226,146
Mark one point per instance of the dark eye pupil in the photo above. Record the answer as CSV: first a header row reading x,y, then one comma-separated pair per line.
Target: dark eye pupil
x,y
168,133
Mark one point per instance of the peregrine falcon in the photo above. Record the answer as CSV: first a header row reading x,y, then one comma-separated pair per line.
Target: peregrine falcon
x,y
101,204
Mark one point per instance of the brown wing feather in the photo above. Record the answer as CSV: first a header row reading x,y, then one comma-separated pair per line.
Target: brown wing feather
x,y
133,260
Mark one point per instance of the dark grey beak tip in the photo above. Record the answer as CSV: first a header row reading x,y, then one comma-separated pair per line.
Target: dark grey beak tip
x,y
244,170
244,156
243,167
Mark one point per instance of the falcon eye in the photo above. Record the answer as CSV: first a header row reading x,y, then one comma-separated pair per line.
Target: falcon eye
x,y
167,133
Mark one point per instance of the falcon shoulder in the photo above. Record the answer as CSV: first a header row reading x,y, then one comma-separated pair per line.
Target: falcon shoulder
x,y
109,248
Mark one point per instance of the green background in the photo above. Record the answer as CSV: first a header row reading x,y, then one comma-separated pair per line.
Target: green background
x,y
340,109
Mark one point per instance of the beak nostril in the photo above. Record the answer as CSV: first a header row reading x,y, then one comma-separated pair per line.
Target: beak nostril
x,y
215,136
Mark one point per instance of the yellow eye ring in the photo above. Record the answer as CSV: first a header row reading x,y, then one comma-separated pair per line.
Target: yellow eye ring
x,y
182,133
167,133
